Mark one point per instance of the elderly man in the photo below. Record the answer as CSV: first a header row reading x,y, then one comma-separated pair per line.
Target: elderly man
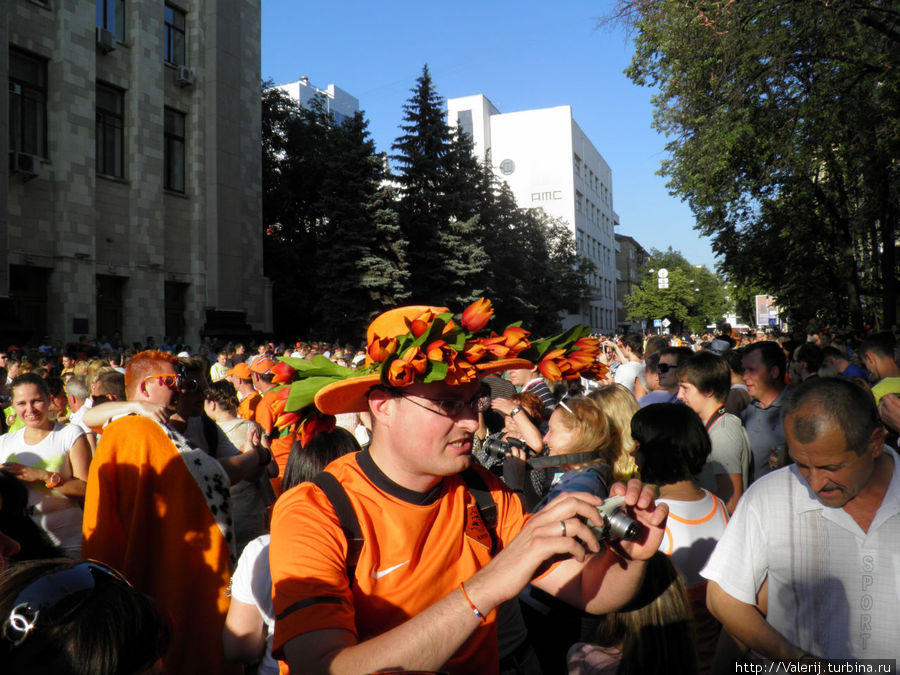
x,y
808,564
158,510
423,590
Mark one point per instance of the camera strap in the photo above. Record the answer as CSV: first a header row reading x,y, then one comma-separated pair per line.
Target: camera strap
x,y
561,460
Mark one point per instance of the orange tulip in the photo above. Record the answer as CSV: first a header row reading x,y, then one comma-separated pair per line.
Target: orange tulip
x,y
460,372
380,348
550,370
496,346
416,359
287,420
516,338
439,350
420,325
400,373
474,351
587,345
476,315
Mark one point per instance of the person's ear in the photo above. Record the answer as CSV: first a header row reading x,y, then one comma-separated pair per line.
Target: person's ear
x,y
382,405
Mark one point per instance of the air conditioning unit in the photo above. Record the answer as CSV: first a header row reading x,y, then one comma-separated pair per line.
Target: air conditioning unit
x,y
185,76
106,40
28,166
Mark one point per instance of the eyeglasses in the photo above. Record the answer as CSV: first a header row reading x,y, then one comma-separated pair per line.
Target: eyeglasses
x,y
665,368
55,597
170,380
453,407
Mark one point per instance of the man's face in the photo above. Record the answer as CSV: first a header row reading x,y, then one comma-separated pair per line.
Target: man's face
x,y
692,397
12,370
759,379
222,359
667,369
520,376
4,359
836,473
421,444
155,389
67,362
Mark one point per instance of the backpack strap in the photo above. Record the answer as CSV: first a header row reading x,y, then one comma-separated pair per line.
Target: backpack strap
x,y
487,507
346,517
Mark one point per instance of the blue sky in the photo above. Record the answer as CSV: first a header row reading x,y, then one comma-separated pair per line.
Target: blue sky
x,y
521,55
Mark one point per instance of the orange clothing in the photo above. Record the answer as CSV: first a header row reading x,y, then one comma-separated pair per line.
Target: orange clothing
x,y
247,407
418,549
146,515
280,444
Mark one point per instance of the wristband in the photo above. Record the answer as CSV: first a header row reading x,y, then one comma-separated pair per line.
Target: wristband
x,y
54,480
471,604
514,411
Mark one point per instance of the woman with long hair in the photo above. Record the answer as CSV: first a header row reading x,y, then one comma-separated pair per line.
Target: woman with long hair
x,y
52,461
619,405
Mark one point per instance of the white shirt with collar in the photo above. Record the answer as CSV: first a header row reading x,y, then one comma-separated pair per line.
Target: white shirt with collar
x,y
834,590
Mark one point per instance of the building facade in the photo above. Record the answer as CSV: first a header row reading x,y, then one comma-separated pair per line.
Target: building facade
x,y
631,258
338,102
548,162
131,205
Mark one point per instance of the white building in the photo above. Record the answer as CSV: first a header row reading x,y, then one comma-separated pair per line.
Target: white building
x,y
548,162
338,102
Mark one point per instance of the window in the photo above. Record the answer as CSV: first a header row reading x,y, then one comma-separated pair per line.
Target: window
x,y
111,16
173,40
110,131
174,151
27,104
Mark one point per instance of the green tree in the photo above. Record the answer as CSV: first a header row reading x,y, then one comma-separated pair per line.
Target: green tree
x,y
361,254
784,127
694,299
436,207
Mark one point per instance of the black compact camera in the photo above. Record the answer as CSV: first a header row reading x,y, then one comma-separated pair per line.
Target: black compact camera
x,y
617,525
497,448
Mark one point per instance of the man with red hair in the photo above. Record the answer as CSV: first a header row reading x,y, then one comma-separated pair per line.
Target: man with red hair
x,y
158,510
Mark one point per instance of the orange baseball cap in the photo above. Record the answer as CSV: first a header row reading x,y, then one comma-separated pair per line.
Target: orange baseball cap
x,y
241,370
262,366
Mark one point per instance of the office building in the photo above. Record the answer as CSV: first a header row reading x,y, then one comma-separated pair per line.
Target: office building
x,y
631,258
131,205
548,162
338,102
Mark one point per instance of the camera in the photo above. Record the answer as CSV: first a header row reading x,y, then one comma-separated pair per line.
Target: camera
x,y
497,448
617,524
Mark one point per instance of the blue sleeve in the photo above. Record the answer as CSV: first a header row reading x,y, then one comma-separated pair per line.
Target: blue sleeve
x,y
575,481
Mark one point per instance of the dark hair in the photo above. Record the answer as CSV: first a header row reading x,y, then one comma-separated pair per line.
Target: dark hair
x,y
304,464
812,355
772,356
223,394
879,344
651,363
708,372
655,630
655,345
673,442
115,629
17,524
55,385
634,343
31,378
832,352
681,354
819,400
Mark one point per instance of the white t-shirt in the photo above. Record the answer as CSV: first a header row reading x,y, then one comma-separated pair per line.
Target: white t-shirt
x,y
59,516
834,590
252,585
692,530
628,372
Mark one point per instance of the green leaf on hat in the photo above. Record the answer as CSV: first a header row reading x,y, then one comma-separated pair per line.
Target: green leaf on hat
x,y
438,371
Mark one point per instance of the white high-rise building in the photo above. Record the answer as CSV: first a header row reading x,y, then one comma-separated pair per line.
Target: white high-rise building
x,y
548,162
338,102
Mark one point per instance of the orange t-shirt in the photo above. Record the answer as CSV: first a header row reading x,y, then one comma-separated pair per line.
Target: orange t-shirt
x,y
247,407
280,446
418,549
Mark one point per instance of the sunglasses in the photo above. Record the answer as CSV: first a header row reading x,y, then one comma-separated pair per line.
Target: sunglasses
x,y
55,597
665,367
453,407
170,380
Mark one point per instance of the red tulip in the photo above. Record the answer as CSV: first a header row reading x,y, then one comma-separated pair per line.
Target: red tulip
x,y
439,350
283,373
380,348
476,315
287,420
420,325
315,423
496,346
516,338
474,351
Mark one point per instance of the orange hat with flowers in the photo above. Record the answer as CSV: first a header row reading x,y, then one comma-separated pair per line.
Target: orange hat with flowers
x,y
428,344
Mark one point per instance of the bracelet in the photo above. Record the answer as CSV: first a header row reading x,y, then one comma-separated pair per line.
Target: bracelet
x,y
471,604
515,411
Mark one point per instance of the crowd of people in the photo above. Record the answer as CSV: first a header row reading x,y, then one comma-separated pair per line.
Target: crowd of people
x,y
435,500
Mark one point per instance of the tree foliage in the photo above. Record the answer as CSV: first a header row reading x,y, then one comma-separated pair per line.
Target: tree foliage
x,y
783,121
694,299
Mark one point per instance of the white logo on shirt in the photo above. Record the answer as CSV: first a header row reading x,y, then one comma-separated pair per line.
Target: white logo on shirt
x,y
380,573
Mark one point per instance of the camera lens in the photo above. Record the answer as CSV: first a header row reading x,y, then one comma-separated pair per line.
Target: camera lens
x,y
621,526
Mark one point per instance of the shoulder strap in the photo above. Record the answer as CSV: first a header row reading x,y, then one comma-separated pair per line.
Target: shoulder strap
x,y
346,516
487,507
716,416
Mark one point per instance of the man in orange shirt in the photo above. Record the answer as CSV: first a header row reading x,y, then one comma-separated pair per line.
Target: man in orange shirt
x,y
241,377
423,592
